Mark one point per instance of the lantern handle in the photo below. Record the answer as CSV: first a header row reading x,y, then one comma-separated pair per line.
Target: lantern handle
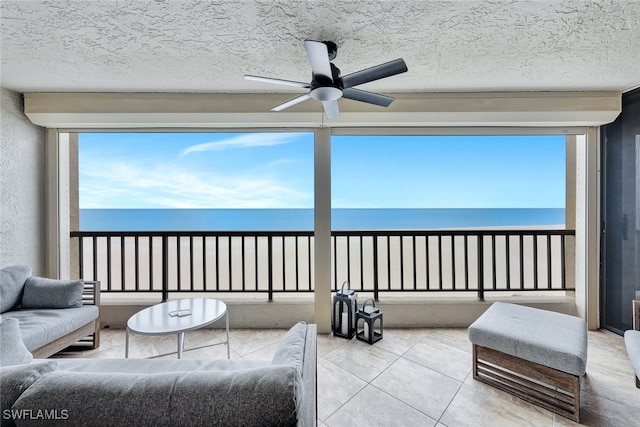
x,y
346,282
373,303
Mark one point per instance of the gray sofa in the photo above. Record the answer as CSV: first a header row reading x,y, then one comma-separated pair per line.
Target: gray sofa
x,y
167,392
52,314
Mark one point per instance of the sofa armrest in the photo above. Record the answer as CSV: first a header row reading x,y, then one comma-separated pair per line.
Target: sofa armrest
x,y
91,296
309,404
91,293
632,341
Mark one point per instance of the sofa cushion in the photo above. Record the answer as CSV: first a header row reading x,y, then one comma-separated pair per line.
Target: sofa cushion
x,y
12,281
40,292
40,327
265,396
12,349
290,350
16,379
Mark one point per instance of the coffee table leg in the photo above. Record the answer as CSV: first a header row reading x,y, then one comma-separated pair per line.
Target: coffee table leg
x,y
228,347
126,344
180,344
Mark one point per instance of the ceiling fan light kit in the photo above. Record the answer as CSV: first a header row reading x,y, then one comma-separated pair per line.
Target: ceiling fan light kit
x,y
327,85
326,93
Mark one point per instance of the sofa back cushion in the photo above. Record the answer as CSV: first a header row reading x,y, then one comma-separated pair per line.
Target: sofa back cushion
x,y
264,396
290,350
12,281
40,292
12,348
15,380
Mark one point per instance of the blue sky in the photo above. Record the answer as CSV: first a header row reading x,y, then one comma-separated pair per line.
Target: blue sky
x,y
275,170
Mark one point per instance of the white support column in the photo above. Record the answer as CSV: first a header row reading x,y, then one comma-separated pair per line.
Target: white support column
x,y
587,229
322,227
74,205
57,204
51,197
570,182
570,209
593,229
64,208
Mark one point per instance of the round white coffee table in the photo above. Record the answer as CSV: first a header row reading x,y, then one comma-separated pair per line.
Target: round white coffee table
x,y
177,317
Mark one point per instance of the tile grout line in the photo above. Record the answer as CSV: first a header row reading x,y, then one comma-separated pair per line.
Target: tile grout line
x,y
367,382
370,383
452,399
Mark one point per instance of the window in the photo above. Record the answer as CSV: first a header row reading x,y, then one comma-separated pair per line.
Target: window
x,y
422,182
195,181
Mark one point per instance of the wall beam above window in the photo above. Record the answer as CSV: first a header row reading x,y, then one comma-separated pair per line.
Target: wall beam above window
x,y
170,110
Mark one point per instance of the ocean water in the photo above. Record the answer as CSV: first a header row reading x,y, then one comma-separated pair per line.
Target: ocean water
x,y
302,219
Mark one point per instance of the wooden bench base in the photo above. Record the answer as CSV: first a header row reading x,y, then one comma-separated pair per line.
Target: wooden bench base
x,y
88,333
548,388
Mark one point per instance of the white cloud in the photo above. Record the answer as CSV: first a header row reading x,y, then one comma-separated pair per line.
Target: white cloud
x,y
243,141
122,185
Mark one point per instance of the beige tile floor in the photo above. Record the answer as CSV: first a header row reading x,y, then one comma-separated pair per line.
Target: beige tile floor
x,y
413,377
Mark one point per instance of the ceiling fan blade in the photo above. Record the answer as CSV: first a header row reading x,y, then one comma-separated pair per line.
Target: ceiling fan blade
x,y
277,81
331,109
291,102
368,97
319,58
374,73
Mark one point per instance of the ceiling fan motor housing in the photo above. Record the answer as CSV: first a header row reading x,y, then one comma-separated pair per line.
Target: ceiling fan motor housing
x,y
324,88
332,49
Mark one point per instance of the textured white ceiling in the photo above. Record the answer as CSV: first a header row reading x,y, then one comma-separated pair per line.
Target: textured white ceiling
x,y
207,46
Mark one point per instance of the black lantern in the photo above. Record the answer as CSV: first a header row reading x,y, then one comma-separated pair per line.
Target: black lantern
x,y
343,316
371,323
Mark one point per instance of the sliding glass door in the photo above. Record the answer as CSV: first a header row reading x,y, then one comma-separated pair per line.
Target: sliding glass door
x,y
620,270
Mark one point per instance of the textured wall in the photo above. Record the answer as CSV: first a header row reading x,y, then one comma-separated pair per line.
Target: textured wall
x,y
22,178
207,45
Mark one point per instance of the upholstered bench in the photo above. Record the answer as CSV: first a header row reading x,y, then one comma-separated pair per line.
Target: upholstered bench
x,y
537,355
632,341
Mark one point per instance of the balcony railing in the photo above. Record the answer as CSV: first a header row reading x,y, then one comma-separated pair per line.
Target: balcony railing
x,y
432,261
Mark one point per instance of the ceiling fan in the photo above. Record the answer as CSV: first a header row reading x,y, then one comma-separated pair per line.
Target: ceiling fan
x,y
327,85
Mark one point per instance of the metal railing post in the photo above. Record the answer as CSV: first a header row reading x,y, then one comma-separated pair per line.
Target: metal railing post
x,y
481,267
80,257
269,269
375,268
165,268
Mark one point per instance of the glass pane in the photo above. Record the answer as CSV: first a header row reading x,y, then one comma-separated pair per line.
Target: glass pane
x,y
196,181
428,182
621,234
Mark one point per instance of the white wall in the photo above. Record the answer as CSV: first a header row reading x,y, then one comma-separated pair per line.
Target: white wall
x,y
22,186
